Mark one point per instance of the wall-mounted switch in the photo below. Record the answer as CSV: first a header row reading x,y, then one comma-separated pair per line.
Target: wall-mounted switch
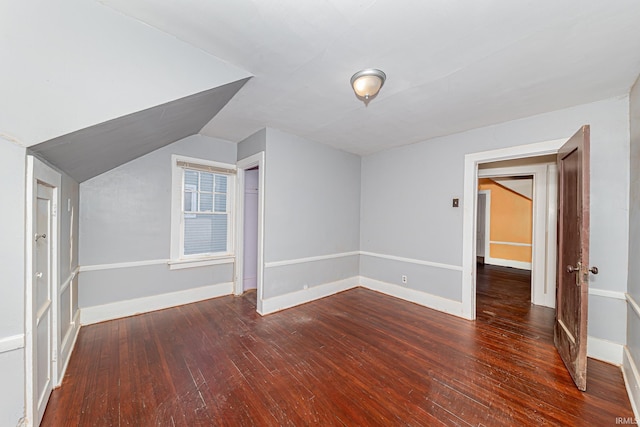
x,y
456,203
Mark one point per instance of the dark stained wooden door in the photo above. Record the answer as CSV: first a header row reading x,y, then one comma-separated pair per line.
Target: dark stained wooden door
x,y
570,331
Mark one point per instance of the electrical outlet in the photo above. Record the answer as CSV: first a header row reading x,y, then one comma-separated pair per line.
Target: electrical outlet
x,y
404,279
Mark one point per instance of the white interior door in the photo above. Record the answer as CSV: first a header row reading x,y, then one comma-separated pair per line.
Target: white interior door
x,y
42,299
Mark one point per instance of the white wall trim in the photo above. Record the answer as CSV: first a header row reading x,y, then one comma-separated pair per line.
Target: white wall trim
x,y
309,259
413,261
68,345
116,310
631,376
633,303
494,242
422,298
68,280
11,343
179,264
604,350
507,263
173,263
292,299
69,336
607,294
129,264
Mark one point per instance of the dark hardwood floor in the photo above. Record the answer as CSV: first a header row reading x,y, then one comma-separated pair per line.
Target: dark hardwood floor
x,y
358,358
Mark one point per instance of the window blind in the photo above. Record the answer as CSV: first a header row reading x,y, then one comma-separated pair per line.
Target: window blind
x,y
205,168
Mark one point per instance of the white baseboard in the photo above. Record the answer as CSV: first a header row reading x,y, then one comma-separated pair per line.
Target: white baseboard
x,y
116,310
606,351
507,263
632,381
11,343
274,304
422,298
68,344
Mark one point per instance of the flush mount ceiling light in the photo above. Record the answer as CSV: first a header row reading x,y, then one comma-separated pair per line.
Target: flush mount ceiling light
x,y
367,83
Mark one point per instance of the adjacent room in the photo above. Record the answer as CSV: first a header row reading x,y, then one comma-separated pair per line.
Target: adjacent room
x,y
320,213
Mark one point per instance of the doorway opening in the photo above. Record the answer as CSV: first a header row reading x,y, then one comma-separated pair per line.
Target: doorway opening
x,y
504,242
249,265
250,235
526,160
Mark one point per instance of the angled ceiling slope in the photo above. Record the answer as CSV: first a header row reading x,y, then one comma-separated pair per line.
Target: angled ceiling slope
x,y
94,150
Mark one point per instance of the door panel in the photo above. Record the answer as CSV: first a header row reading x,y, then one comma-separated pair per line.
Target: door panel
x,y
42,308
570,331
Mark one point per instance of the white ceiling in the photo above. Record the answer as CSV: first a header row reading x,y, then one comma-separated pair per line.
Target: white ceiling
x,y
452,65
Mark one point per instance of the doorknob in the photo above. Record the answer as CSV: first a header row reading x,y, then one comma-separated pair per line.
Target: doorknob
x,y
594,270
43,235
572,269
39,274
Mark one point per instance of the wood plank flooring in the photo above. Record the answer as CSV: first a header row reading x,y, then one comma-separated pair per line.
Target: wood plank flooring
x,y
358,358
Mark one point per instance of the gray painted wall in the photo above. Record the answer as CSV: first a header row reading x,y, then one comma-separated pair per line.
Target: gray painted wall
x,y
252,144
312,208
12,230
122,284
633,318
125,213
406,201
125,216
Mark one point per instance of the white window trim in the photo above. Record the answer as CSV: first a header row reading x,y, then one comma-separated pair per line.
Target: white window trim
x,y
179,261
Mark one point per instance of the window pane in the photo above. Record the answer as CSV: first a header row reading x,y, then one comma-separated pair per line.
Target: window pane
x,y
205,233
189,204
191,179
206,202
221,183
219,233
206,182
221,203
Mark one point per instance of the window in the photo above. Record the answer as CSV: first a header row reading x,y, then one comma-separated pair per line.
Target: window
x,y
202,209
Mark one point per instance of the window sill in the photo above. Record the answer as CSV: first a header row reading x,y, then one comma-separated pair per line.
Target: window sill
x,y
179,264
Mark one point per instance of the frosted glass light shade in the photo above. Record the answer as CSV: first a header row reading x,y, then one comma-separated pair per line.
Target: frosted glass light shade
x,y
367,83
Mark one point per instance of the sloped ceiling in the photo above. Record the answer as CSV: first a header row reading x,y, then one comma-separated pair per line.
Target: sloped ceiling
x,y
92,151
71,64
452,65
88,88
519,184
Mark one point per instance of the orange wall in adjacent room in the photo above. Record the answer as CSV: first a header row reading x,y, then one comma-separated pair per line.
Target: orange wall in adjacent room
x,y
511,221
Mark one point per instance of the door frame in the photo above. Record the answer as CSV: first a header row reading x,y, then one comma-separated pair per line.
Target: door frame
x,y
39,172
470,186
250,162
